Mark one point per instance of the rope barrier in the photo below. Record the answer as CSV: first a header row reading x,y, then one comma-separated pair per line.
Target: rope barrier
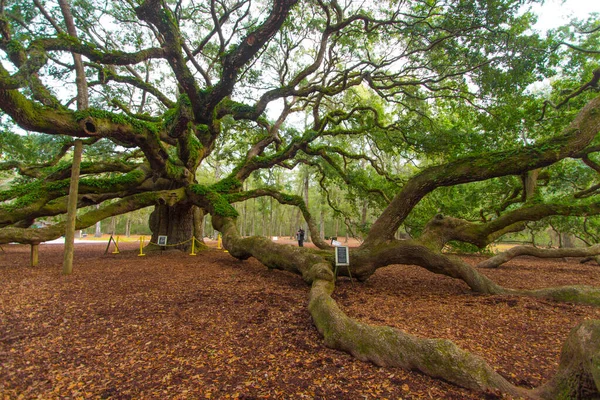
x,y
142,241
171,245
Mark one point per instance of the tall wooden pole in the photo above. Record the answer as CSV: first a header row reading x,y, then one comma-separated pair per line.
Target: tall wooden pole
x,y
72,209
82,104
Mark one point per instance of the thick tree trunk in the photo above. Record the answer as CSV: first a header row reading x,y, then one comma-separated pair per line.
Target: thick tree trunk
x,y
176,222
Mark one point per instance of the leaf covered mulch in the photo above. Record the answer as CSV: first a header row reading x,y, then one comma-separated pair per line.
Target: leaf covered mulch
x,y
169,325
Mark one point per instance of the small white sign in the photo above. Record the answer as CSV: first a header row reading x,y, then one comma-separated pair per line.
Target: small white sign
x,y
342,256
162,241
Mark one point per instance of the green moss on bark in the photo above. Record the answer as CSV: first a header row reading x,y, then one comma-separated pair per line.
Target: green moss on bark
x,y
139,126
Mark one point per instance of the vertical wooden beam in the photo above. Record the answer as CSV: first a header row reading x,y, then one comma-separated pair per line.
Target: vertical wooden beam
x,y
82,104
34,254
72,209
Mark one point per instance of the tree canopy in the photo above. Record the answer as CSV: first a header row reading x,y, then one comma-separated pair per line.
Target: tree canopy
x,y
428,117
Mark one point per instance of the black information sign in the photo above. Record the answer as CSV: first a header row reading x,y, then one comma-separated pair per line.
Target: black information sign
x,y
341,256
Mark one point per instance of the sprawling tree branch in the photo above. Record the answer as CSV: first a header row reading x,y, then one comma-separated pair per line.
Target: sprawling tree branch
x,y
122,206
577,136
505,256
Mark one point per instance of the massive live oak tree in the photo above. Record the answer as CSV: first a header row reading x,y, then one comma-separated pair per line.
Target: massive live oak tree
x,y
406,105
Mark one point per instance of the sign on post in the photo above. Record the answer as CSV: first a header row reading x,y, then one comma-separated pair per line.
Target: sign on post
x,y
161,241
342,257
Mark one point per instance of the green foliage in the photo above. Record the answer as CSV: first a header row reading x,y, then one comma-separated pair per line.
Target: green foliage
x,y
467,248
132,178
229,106
27,194
31,148
227,185
218,201
173,170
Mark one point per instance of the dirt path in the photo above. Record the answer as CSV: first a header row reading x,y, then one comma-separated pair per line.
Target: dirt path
x,y
169,325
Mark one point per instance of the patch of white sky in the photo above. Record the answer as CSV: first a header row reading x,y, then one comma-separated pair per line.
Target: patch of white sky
x,y
555,13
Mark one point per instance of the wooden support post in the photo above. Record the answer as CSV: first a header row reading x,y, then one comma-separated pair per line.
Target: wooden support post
x,y
34,254
72,209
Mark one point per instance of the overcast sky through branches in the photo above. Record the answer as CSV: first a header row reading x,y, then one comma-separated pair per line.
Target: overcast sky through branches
x,y
555,13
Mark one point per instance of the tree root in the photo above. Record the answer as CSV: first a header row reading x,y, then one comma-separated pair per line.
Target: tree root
x,y
578,376
579,373
386,346
572,294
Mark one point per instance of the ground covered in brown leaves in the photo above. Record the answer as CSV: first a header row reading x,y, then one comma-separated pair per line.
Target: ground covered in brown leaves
x,y
169,325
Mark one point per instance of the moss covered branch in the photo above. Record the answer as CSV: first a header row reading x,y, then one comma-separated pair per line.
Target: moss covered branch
x,y
89,218
505,256
386,346
579,134
47,197
291,200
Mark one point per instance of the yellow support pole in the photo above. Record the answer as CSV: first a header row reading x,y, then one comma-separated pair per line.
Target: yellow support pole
x,y
219,242
116,251
141,247
193,253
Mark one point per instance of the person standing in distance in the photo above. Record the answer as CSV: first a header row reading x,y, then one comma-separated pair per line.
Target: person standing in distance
x,y
300,237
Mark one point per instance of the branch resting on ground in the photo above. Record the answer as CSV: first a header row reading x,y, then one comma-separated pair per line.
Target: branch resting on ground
x,y
386,346
501,258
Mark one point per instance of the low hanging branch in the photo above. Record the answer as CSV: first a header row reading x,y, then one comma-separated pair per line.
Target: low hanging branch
x,y
122,206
